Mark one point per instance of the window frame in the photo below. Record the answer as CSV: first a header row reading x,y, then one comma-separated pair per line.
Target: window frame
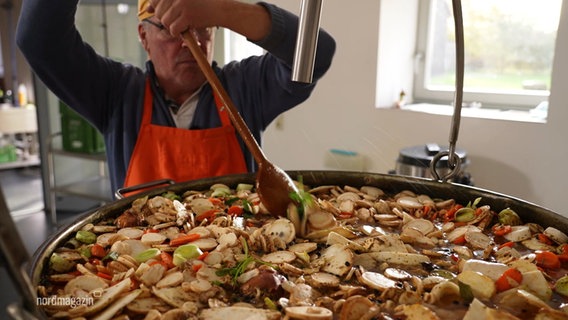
x,y
519,100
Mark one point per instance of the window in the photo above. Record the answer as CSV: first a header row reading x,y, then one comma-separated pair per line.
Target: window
x,y
237,47
509,51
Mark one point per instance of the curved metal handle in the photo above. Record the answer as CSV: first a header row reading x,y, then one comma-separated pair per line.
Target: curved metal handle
x,y
453,158
119,194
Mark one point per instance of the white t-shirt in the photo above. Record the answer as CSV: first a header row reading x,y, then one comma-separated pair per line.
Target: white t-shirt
x,y
184,114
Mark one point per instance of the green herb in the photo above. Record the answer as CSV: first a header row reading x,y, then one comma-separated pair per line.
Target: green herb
x,y
270,304
236,271
302,198
474,204
465,292
232,200
247,206
113,255
171,195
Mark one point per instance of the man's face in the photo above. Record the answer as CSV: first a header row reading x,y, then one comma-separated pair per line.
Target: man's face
x,y
177,71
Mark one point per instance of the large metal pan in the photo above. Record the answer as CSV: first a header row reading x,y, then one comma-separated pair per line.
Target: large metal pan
x,y
391,184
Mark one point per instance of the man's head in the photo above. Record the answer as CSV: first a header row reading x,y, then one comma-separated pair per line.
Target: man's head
x,y
176,69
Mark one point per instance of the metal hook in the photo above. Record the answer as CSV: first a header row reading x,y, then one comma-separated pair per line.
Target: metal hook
x,y
453,159
455,167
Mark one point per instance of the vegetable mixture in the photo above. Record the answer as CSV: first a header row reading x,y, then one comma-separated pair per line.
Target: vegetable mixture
x,y
341,253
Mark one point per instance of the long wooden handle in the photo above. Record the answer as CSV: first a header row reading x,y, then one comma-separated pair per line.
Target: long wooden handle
x,y
215,83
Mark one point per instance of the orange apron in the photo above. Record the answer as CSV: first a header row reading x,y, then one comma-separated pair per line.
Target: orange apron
x,y
181,154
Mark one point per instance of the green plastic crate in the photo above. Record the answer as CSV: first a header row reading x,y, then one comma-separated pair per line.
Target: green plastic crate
x,y
78,134
8,154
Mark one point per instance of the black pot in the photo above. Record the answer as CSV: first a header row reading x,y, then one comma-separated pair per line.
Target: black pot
x,y
415,161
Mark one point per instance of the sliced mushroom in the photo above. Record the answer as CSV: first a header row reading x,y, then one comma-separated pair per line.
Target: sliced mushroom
x,y
86,283
422,225
111,310
239,313
409,202
205,244
336,238
170,280
153,238
131,233
477,239
416,312
302,247
281,228
518,234
377,281
173,296
399,258
319,220
323,279
556,235
374,192
309,313
338,259
144,305
278,257
397,274
358,308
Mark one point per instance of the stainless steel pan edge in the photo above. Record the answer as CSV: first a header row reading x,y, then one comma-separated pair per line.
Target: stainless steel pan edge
x,y
391,184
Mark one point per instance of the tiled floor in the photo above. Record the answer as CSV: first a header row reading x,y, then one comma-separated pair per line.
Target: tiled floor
x,y
22,190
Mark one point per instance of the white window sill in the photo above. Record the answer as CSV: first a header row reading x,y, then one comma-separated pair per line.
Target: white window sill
x,y
496,114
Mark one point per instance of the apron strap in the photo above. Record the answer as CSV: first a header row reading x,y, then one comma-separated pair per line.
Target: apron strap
x,y
147,111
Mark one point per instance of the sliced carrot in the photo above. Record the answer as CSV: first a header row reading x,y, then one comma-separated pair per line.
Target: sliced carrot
x,y
509,279
451,213
203,256
563,249
563,258
196,267
134,284
459,240
183,239
547,260
345,215
426,210
209,214
544,239
167,259
501,229
509,244
215,201
151,230
478,211
104,275
98,251
235,210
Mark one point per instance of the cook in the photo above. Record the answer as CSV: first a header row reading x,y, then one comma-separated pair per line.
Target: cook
x,y
164,122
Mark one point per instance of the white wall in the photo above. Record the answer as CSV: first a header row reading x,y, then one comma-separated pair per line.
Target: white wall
x,y
525,160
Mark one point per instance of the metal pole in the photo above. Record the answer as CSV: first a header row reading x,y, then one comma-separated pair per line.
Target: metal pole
x,y
306,43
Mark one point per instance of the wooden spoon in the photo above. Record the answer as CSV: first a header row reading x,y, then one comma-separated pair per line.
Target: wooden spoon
x,y
273,185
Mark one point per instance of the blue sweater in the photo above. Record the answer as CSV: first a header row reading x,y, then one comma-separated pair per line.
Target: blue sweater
x,y
110,94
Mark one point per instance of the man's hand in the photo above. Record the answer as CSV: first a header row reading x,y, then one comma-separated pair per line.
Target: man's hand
x,y
249,20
